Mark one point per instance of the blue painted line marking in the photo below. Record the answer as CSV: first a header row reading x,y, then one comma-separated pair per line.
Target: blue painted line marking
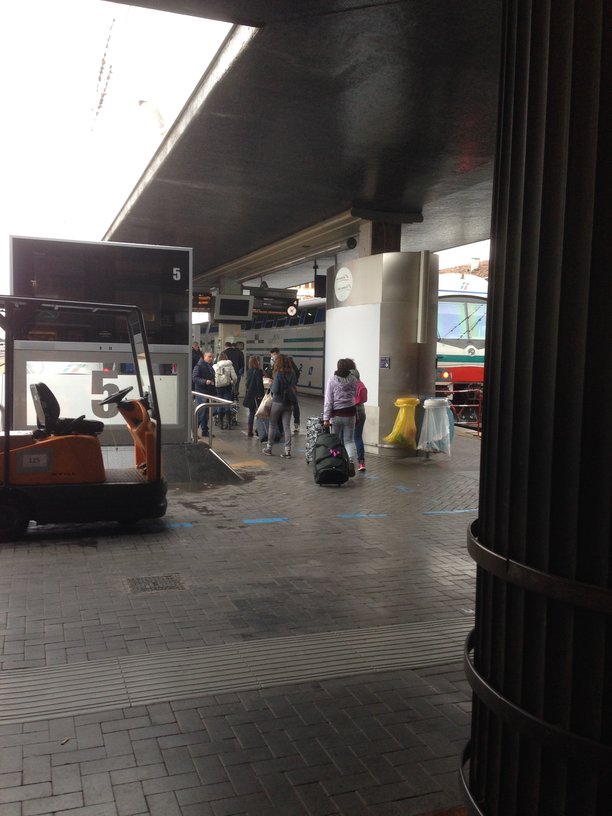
x,y
361,515
273,520
448,512
177,524
404,489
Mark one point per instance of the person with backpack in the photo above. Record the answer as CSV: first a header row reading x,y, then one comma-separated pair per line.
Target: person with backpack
x,y
361,397
236,357
283,400
225,380
268,369
339,408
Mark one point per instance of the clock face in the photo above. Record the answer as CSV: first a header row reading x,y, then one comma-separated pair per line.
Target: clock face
x,y
291,310
343,283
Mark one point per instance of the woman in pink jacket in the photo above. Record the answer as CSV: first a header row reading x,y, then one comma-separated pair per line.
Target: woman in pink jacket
x,y
361,398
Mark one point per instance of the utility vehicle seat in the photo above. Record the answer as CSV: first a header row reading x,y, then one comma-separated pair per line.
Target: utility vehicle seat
x,y
48,415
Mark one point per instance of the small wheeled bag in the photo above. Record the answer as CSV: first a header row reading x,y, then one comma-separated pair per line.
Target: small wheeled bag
x,y
331,462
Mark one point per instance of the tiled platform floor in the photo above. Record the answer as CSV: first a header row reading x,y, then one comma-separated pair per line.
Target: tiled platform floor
x,y
273,557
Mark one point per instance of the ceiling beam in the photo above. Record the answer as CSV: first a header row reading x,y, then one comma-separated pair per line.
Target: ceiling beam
x,y
327,236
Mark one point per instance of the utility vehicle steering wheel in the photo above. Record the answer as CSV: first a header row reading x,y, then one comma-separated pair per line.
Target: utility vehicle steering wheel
x,y
116,398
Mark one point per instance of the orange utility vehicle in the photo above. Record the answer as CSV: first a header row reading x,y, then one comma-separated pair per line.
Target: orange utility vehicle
x,y
53,470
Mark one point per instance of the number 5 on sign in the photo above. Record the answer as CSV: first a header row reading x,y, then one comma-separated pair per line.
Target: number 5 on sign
x,y
176,273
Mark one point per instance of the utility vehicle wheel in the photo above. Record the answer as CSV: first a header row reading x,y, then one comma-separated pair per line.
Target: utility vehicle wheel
x,y
13,519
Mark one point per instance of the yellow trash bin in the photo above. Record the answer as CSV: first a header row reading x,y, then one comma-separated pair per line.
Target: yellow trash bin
x,y
404,427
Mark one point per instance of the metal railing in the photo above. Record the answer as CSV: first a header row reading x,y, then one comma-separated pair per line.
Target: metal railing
x,y
466,405
205,402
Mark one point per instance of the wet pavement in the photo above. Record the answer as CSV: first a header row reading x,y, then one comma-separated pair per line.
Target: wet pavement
x,y
268,647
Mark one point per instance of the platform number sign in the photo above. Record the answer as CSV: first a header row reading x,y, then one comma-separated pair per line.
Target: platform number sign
x,y
101,390
176,273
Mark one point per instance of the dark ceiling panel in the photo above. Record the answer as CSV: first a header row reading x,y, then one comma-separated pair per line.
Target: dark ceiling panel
x,y
255,12
388,107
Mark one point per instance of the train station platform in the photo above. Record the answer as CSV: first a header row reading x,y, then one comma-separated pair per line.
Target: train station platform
x,y
268,647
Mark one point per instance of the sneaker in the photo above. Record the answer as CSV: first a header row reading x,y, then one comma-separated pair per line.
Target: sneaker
x,y
361,467
250,433
267,451
351,469
285,455
296,428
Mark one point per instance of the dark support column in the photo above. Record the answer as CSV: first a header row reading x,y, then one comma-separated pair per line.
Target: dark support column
x,y
385,237
540,657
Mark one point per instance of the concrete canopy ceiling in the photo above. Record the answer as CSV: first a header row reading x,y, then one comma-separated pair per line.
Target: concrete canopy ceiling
x,y
322,113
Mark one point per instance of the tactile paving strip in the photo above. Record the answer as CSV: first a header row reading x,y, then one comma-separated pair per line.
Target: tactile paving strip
x,y
77,688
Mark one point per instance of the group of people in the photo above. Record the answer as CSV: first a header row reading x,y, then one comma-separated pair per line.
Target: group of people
x,y
343,406
283,375
218,379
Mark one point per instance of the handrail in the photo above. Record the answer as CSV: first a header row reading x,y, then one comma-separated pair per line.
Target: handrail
x,y
460,408
208,402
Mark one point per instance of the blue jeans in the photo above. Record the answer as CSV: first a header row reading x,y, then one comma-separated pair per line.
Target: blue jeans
x,y
344,426
203,415
359,423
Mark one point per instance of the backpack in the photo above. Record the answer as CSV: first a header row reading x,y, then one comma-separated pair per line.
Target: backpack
x,y
286,391
222,377
289,395
361,395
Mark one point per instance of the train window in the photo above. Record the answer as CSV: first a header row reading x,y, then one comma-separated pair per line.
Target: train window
x,y
476,319
320,316
295,321
309,317
462,320
452,320
281,321
269,324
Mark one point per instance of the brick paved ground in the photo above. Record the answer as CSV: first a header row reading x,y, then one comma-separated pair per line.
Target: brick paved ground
x,y
388,548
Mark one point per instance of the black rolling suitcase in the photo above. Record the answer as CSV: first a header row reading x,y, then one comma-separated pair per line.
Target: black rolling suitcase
x,y
314,427
331,462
